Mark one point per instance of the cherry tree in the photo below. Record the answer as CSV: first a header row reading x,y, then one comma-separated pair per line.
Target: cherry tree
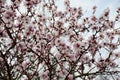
x,y
39,42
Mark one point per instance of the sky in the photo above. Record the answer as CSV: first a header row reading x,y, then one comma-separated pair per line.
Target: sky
x,y
101,4
88,4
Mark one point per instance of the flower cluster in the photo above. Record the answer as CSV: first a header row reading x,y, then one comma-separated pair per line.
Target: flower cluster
x,y
40,42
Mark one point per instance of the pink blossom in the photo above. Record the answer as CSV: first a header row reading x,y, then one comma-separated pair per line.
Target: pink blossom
x,y
37,40
25,64
58,56
76,45
1,59
70,77
44,75
72,57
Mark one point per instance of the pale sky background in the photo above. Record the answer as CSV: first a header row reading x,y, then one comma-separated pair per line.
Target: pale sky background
x,y
88,4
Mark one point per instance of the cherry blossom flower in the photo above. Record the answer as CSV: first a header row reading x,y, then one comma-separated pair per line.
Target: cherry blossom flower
x,y
25,64
70,77
39,41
